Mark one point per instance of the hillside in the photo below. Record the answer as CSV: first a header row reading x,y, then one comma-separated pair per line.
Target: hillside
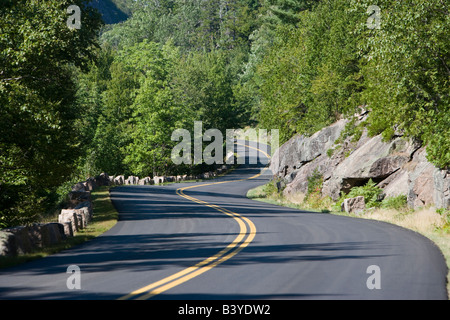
x,y
113,11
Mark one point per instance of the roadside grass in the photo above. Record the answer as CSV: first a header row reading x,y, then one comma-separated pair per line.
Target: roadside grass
x,y
431,223
104,218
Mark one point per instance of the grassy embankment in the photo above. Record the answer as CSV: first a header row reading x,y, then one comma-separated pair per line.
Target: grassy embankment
x,y
104,218
433,224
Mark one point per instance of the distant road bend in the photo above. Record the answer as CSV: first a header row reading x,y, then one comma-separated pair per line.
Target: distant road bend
x,y
206,240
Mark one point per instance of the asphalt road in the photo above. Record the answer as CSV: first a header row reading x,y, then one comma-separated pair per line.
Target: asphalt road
x,y
206,240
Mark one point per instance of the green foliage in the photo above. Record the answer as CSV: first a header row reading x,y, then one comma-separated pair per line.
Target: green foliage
x,y
192,25
39,140
319,61
313,198
370,191
351,130
155,113
445,213
159,80
304,82
330,152
407,74
177,62
399,202
271,189
315,181
288,11
203,85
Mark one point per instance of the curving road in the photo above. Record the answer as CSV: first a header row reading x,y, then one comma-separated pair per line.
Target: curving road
x,y
208,241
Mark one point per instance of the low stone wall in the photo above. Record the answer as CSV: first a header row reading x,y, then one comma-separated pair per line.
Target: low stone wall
x,y
76,219
78,212
25,239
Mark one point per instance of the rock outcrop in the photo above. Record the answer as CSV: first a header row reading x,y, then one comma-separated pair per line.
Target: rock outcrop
x,y
301,150
398,166
355,205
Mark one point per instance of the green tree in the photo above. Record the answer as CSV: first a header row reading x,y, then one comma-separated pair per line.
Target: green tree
x,y
38,139
105,152
407,74
203,85
288,11
154,113
310,73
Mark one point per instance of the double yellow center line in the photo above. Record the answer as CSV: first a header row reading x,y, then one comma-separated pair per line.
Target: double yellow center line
x,y
246,235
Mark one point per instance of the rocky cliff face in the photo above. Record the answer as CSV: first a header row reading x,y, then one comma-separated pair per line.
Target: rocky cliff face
x,y
398,166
